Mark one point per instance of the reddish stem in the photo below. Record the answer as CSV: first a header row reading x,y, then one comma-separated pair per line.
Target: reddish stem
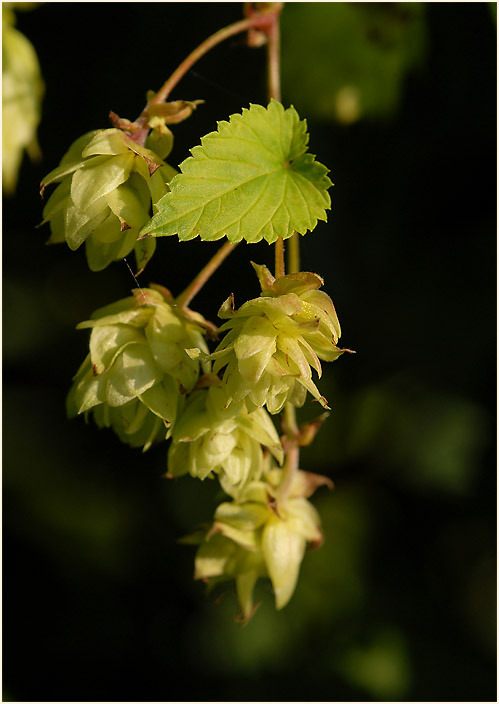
x,y
264,22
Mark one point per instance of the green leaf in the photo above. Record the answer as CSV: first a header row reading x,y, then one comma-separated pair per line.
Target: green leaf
x,y
251,180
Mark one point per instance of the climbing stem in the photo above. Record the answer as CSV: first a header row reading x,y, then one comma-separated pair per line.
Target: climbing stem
x,y
279,258
274,60
208,270
264,21
294,253
225,33
274,93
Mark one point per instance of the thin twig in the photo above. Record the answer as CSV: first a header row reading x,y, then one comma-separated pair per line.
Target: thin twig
x,y
292,451
257,21
294,253
273,60
274,93
279,257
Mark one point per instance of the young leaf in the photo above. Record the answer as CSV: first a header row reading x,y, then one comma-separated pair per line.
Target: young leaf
x,y
251,180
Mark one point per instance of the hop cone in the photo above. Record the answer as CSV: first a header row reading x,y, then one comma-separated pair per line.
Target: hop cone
x,y
22,90
107,183
274,341
212,438
137,372
261,536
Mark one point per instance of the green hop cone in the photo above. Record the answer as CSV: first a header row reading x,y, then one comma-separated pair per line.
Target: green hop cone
x,y
22,91
137,371
261,536
274,341
211,438
107,183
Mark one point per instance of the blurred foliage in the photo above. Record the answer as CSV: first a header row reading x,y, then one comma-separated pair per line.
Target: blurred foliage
x,y
493,10
361,54
22,91
429,440
400,601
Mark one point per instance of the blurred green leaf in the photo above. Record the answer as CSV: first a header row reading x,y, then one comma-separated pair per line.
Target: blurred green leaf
x,y
493,10
381,667
345,61
427,439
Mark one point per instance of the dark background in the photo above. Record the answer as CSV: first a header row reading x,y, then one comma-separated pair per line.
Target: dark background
x,y
400,602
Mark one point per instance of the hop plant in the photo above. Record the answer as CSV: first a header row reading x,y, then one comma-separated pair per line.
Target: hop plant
x,y
22,92
107,183
262,535
137,372
274,341
149,374
211,438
